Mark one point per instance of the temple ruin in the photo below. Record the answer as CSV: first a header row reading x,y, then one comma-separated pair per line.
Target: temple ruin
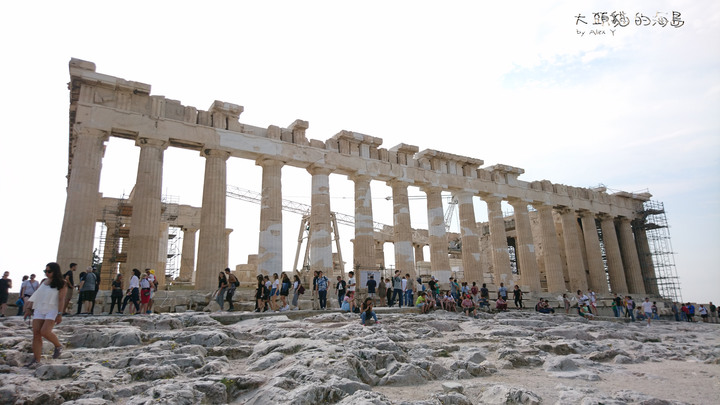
x,y
560,238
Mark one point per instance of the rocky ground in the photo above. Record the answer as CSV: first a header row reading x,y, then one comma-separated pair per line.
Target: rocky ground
x,y
441,358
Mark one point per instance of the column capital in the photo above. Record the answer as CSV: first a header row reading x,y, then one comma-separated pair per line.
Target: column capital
x,y
397,183
431,189
190,229
491,197
565,210
541,206
464,191
269,162
516,201
216,153
604,217
151,142
586,213
316,169
357,177
624,219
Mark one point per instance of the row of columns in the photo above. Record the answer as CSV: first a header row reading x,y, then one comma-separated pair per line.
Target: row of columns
x,y
623,263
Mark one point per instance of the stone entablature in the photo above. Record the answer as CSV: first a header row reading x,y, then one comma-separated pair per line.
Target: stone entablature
x,y
126,109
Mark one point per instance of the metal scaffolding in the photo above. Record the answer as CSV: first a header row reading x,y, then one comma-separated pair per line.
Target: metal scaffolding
x,y
657,230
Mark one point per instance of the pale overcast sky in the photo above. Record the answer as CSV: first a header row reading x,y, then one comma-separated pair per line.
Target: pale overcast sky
x,y
522,83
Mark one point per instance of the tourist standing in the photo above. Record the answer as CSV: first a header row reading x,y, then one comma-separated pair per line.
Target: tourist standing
x,y
713,312
647,309
397,289
259,292
351,284
47,303
408,290
284,292
676,311
703,313
28,287
617,305
145,288
21,300
70,281
593,302
322,286
484,292
340,288
5,286
153,288
87,290
296,291
566,304
116,294
371,285
388,291
691,312
630,307
502,291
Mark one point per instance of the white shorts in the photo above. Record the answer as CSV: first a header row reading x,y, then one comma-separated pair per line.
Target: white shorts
x,y
51,315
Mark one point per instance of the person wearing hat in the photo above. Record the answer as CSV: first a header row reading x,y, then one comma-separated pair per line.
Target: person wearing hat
x,y
153,288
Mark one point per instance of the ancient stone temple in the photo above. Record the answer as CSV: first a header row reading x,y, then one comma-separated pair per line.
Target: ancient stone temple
x,y
559,238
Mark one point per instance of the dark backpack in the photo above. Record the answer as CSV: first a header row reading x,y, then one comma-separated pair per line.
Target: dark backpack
x,y
301,289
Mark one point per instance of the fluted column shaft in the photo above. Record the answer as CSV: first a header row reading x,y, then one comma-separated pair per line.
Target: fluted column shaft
x,y
320,229
551,250
147,206
498,241
573,252
270,240
211,242
187,260
108,270
616,272
439,260
646,263
78,227
470,237
402,229
628,250
379,254
529,272
598,279
163,234
364,247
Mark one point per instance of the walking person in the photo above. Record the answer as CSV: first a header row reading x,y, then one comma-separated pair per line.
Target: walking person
x,y
315,294
285,292
222,287
28,287
145,291
566,304
340,288
133,293
397,289
21,300
116,294
96,273
233,283
647,309
517,296
46,303
388,292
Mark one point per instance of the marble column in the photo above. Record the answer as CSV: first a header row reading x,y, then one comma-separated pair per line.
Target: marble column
x,y
402,230
163,235
187,260
211,242
226,248
616,272
321,258
108,269
78,227
529,272
628,250
597,280
437,236
379,254
498,241
147,206
646,263
551,250
470,237
270,240
366,251
573,253
419,254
